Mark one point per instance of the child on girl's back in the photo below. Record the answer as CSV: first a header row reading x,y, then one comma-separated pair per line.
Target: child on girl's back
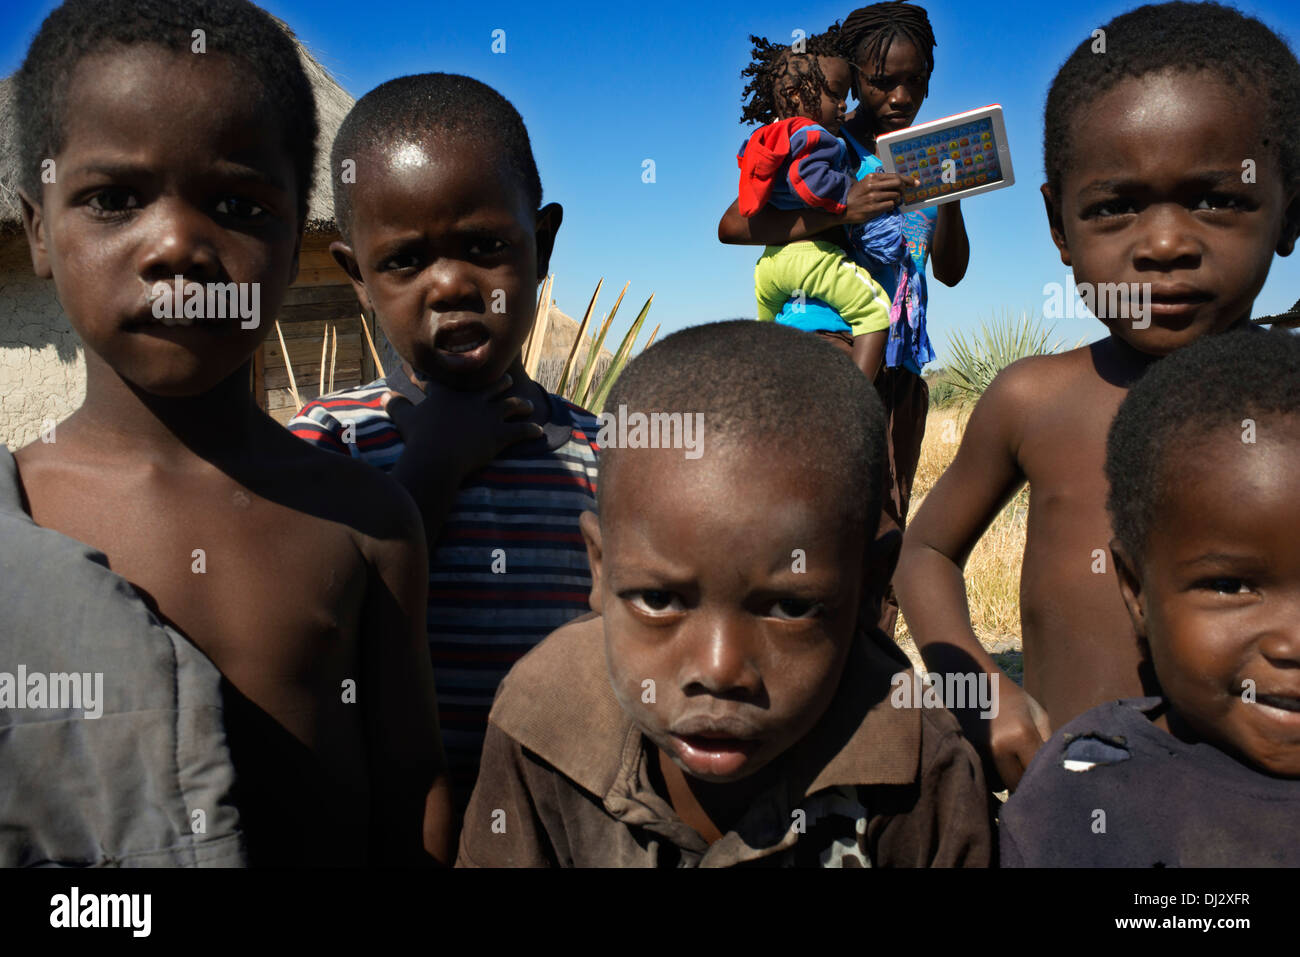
x,y
890,51
795,160
1145,193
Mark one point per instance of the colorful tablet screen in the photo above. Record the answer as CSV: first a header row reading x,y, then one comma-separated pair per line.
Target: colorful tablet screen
x,y
969,151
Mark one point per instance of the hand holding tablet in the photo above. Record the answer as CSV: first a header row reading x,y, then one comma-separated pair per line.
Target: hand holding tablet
x,y
953,157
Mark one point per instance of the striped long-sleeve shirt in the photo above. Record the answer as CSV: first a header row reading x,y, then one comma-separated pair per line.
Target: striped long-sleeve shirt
x,y
510,565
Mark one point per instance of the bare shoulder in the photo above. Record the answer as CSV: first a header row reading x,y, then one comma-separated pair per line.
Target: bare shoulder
x,y
343,490
1037,379
1035,388
37,455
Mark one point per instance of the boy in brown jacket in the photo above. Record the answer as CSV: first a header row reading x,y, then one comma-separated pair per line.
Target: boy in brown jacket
x,y
728,704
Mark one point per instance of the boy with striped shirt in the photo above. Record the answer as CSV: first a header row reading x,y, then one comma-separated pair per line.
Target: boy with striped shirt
x,y
445,239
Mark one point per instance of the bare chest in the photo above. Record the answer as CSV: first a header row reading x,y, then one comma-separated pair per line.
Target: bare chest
x,y
1068,587
1063,456
271,594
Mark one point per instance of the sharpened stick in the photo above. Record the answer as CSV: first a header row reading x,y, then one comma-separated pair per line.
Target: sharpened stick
x,y
334,352
374,353
324,344
532,353
293,386
537,338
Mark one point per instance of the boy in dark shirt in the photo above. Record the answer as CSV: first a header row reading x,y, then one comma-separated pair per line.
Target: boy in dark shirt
x,y
728,704
1150,202
1203,461
171,145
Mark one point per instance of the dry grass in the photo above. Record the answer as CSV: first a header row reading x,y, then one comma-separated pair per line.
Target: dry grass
x,y
993,571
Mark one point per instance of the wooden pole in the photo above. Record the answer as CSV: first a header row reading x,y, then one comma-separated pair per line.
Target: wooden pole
x,y
334,352
324,345
536,341
374,353
293,386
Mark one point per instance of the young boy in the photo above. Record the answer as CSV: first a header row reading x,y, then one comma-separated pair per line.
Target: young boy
x,y
1203,462
728,705
445,240
1149,199
795,160
301,576
112,731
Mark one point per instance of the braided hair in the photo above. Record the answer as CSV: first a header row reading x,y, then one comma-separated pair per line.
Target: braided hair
x,y
867,33
773,63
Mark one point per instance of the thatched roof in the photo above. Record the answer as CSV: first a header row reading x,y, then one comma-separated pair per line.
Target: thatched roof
x,y
332,104
1290,319
10,211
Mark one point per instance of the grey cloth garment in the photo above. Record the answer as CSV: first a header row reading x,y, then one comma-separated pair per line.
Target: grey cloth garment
x,y
148,783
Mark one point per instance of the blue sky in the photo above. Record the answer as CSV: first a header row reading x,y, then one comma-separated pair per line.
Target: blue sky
x,y
604,87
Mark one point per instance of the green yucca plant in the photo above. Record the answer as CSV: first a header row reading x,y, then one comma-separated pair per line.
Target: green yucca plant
x,y
621,358
580,391
577,341
975,361
591,386
942,391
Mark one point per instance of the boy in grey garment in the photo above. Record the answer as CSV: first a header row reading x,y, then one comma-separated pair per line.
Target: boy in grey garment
x,y
112,740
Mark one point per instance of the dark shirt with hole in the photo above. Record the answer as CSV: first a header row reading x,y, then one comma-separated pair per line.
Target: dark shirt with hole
x,y
1111,789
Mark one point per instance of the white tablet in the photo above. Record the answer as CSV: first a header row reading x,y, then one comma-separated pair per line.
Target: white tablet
x,y
955,157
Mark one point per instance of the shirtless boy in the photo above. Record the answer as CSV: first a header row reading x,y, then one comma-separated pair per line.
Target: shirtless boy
x,y
1156,205
300,574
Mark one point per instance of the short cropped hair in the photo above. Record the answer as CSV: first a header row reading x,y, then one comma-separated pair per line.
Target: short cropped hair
x,y
410,108
1214,383
1180,36
236,28
772,387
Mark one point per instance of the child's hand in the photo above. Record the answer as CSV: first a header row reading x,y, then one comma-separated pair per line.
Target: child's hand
x,y
875,194
451,434
1018,731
